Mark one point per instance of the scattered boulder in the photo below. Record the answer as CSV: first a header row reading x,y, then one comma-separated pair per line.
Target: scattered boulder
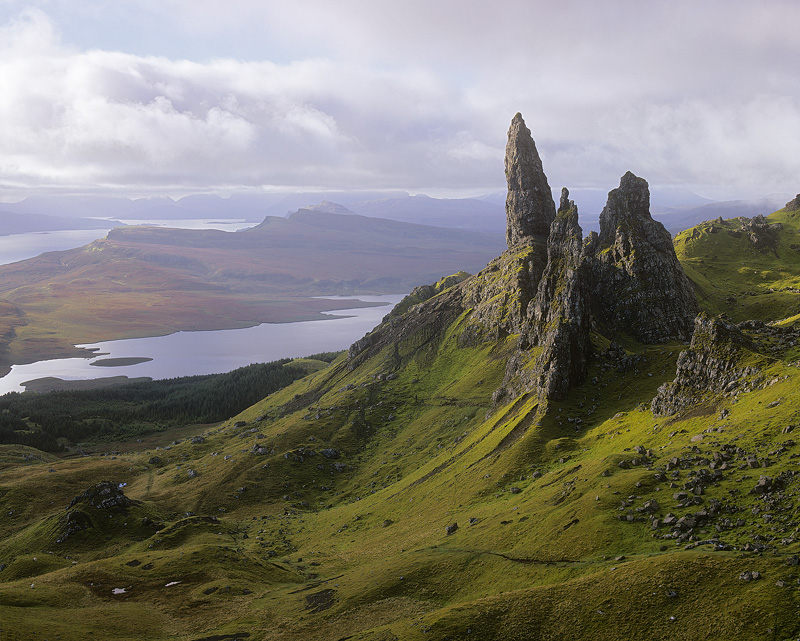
x,y
651,506
763,486
451,529
749,575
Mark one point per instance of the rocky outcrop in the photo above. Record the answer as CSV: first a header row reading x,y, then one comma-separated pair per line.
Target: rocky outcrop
x,y
103,496
499,296
794,204
529,204
762,234
550,287
423,292
712,364
422,324
640,287
559,315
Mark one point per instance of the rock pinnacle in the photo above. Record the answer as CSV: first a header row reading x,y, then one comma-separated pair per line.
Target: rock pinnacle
x,y
529,205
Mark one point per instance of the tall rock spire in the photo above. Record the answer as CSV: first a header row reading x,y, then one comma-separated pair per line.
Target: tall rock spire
x,y
529,205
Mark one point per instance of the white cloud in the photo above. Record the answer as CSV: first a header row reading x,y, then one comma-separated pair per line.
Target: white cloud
x,y
398,95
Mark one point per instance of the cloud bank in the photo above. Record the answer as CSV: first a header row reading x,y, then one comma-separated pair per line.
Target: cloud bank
x,y
362,95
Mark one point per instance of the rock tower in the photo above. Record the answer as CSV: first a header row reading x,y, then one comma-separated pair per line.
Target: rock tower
x,y
529,205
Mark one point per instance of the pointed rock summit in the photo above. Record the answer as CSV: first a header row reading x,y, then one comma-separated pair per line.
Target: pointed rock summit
x,y
529,205
628,208
641,287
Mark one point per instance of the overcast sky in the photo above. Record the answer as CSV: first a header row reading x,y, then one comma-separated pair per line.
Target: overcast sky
x,y
180,96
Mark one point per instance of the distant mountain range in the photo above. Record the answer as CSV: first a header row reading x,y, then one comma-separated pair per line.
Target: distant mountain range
x,y
677,208
14,223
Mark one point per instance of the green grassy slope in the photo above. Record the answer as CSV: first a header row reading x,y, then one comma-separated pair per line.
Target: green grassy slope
x,y
743,280
327,510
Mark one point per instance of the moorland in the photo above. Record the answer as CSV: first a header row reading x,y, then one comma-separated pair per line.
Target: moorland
x,y
589,438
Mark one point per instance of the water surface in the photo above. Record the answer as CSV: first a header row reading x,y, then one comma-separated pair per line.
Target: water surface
x,y
209,352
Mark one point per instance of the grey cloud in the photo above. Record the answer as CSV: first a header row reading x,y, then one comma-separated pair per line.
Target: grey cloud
x,y
411,95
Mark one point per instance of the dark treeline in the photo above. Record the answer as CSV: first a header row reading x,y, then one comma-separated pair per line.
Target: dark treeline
x,y
135,409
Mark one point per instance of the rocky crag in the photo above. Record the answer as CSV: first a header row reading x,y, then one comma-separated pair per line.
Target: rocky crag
x,y
529,204
724,360
552,287
711,365
640,287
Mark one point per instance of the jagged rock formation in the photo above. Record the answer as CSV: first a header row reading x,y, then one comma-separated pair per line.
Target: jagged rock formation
x,y
559,314
550,287
640,287
711,364
794,204
529,205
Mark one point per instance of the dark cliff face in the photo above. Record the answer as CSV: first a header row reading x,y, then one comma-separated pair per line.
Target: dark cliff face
x,y
559,315
640,287
529,205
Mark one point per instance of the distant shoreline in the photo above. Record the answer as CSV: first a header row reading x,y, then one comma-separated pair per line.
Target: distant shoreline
x,y
53,384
